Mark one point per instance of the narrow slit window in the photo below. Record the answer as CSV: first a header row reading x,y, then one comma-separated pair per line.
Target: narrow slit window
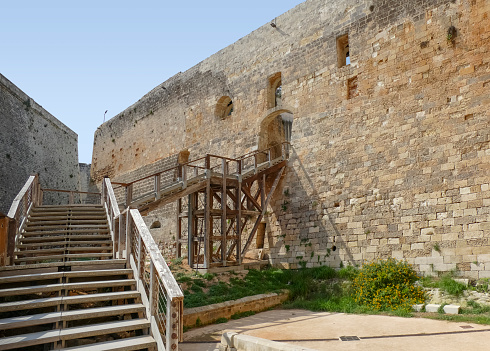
x,y
343,53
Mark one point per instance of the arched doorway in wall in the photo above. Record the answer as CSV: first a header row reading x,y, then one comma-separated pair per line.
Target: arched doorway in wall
x,y
275,129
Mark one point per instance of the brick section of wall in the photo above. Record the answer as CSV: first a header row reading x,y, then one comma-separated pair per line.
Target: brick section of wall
x,y
398,167
33,141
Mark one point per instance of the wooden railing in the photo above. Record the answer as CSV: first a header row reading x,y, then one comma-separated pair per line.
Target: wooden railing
x,y
182,175
30,195
159,291
73,197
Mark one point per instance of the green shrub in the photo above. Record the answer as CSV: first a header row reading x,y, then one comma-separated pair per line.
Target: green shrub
x,y
387,286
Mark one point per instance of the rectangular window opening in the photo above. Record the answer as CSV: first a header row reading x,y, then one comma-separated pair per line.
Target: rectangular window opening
x,y
343,54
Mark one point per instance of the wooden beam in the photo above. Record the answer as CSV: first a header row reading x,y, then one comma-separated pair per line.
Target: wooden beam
x,y
259,219
224,206
251,198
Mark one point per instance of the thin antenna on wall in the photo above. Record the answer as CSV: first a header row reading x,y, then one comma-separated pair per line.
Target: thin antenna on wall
x,y
104,114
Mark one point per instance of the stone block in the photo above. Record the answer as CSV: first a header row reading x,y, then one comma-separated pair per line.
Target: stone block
x,y
451,309
418,307
432,308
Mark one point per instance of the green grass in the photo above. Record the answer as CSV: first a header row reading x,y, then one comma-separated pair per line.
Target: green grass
x,y
446,283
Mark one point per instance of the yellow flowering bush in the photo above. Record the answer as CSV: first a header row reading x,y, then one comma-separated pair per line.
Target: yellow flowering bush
x,y
387,285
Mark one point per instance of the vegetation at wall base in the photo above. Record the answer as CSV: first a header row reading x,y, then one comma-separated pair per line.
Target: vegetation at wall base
x,y
380,287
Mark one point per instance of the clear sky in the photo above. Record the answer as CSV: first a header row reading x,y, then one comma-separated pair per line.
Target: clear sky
x,y
80,58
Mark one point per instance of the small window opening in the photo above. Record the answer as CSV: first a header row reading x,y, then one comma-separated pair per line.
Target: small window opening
x,y
224,107
343,53
155,224
274,95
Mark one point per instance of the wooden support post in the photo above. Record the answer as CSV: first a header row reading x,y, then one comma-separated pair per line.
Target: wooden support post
x,y
152,295
4,236
238,206
122,233
103,191
191,233
224,171
184,176
128,238
178,237
71,198
129,195
157,186
262,192
208,227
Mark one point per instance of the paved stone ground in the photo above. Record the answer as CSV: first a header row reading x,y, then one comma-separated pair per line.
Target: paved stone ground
x,y
321,331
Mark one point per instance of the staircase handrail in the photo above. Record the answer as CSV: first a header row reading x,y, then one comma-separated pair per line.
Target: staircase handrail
x,y
28,196
160,292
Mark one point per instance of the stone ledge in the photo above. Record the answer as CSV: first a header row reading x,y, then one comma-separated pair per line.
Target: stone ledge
x,y
239,342
257,303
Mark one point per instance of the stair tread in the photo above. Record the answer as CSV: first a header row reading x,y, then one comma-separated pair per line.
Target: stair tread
x,y
51,317
37,338
68,263
62,250
69,300
52,257
33,237
65,286
126,344
70,226
65,243
69,274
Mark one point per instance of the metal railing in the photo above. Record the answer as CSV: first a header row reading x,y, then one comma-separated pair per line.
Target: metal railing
x,y
160,293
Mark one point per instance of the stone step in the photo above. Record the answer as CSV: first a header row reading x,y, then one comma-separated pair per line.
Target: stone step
x,y
56,335
52,317
127,344
64,257
71,274
51,288
67,300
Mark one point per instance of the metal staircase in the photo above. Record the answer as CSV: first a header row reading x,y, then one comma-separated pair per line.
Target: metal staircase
x,y
70,285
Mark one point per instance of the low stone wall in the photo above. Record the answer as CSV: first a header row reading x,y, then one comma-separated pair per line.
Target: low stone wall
x,y
239,342
208,314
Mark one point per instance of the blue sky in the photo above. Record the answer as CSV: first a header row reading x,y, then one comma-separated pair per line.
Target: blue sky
x,y
80,58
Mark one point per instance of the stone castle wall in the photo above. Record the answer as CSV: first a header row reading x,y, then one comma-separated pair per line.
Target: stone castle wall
x,y
390,152
33,141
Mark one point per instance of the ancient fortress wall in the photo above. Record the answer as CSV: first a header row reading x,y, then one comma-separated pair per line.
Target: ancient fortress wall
x,y
33,141
390,152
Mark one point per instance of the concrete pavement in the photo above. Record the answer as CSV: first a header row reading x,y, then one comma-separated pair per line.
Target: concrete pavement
x,y
321,331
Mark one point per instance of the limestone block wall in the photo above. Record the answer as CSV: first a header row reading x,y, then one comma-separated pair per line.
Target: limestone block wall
x,y
390,151
33,141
